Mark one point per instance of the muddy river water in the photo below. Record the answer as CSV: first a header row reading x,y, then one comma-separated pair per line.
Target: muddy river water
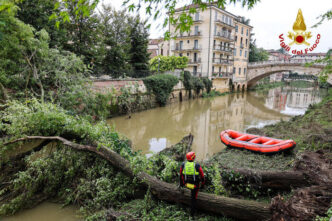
x,y
156,129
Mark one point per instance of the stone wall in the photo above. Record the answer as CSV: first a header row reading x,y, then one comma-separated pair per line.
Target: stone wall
x,y
221,84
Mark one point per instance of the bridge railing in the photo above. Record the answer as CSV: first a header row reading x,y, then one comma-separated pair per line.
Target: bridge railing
x,y
292,61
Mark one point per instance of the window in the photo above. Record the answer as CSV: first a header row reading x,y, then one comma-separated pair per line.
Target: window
x,y
234,70
214,43
216,16
241,40
188,42
195,70
245,54
234,51
242,30
197,16
240,52
219,69
223,18
215,29
214,55
180,54
246,42
181,45
187,54
196,30
247,32
195,57
212,69
162,52
226,20
239,71
236,28
244,70
235,39
196,44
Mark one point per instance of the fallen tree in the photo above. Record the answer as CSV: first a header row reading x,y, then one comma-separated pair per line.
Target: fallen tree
x,y
231,207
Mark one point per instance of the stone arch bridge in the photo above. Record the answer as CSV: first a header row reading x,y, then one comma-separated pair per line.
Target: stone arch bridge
x,y
259,70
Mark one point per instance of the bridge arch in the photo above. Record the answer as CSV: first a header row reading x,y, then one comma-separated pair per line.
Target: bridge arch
x,y
259,70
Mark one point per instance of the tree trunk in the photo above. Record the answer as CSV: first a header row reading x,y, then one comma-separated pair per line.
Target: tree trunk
x,y
280,180
231,207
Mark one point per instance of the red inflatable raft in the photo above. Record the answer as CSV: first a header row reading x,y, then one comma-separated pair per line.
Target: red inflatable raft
x,y
254,142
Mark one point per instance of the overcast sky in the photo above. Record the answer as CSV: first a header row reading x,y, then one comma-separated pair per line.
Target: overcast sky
x,y
270,18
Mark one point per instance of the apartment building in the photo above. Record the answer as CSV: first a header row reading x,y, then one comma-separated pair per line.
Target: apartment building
x,y
217,44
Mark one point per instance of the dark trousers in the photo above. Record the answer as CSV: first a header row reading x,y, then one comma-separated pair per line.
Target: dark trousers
x,y
194,193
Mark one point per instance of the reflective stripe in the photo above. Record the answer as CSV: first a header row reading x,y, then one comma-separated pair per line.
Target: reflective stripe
x,y
190,170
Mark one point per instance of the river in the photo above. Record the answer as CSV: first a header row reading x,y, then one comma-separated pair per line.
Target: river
x,y
156,129
153,130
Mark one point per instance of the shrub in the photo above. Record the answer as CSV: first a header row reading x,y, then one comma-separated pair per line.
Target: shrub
x,y
161,85
168,63
208,84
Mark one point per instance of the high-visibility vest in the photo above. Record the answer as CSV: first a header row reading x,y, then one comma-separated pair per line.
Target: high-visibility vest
x,y
190,170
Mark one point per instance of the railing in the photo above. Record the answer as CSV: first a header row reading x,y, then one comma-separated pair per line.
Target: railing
x,y
197,47
194,61
195,34
222,61
222,48
222,74
224,35
292,61
224,23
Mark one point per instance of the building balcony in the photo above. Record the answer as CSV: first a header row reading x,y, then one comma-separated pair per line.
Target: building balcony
x,y
194,48
222,61
189,35
220,22
224,36
222,74
220,48
194,61
198,20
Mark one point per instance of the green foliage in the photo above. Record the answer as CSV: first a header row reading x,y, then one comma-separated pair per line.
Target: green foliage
x,y
217,181
327,217
213,93
139,56
207,84
161,85
257,54
184,21
327,71
168,63
187,82
198,85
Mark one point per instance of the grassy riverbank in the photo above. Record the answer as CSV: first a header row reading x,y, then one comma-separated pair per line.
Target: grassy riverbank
x,y
312,131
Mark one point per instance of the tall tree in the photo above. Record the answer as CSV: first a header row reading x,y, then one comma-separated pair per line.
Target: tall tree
x,y
139,56
257,54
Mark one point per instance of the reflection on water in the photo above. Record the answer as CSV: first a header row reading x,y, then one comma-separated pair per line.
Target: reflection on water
x,y
155,129
46,211
292,101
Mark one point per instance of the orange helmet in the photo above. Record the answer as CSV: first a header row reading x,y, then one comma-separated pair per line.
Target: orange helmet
x,y
191,156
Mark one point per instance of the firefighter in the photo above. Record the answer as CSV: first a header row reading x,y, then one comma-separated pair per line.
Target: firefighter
x,y
191,176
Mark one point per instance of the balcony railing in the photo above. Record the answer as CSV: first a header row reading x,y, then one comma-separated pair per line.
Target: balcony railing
x,y
187,35
218,21
194,48
222,48
222,61
222,74
226,35
194,61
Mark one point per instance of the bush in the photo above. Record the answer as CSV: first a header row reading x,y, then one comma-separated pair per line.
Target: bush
x,y
168,63
208,84
198,85
161,85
